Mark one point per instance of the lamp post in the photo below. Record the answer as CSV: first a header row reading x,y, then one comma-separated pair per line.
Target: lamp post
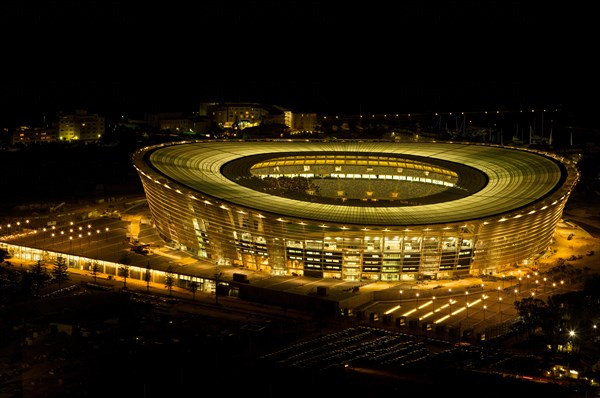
x,y
572,336
98,243
483,297
467,302
417,296
500,308
544,286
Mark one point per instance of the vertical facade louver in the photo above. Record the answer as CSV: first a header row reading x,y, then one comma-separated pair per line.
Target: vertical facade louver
x,y
474,209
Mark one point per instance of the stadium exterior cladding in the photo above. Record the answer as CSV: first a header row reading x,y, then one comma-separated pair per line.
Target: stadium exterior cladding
x,y
507,217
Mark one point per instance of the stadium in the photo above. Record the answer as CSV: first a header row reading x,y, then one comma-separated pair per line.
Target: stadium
x,y
356,210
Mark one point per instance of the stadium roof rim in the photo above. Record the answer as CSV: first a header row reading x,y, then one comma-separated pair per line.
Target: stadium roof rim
x,y
470,181
519,180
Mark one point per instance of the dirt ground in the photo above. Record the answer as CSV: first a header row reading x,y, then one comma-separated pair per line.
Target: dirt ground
x,y
583,225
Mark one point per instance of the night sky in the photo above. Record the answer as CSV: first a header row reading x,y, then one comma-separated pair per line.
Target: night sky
x,y
376,56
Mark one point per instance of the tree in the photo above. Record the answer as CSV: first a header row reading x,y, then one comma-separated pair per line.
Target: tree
x,y
4,254
124,273
148,276
169,279
532,312
95,270
60,271
10,282
217,278
193,287
553,322
38,276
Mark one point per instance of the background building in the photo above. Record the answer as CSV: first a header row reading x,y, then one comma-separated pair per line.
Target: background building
x,y
80,126
33,135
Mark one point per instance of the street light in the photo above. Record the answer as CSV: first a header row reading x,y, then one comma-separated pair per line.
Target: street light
x,y
544,288
572,336
500,307
483,297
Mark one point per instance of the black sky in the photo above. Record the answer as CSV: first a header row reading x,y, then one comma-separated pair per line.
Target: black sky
x,y
308,55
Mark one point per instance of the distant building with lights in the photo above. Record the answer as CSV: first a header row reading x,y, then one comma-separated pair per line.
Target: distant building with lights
x,y
238,116
33,135
80,126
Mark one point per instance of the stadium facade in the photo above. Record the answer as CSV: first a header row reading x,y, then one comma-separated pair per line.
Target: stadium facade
x,y
353,210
